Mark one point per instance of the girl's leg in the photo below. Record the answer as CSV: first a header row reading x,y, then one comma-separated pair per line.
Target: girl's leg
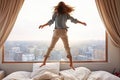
x,y
67,48
44,61
71,63
53,42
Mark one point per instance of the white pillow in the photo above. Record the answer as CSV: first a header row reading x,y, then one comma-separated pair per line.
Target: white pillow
x,y
51,67
80,73
102,75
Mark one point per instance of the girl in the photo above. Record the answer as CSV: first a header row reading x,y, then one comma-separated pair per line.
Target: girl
x,y
60,16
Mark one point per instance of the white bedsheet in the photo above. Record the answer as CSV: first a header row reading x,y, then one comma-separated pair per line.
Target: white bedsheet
x,y
66,75
102,75
18,75
80,73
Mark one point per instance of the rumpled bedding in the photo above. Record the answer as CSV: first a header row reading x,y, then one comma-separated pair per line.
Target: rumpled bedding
x,y
64,75
18,75
51,72
80,73
102,75
23,75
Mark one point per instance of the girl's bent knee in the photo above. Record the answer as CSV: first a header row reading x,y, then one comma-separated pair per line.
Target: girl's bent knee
x,y
69,56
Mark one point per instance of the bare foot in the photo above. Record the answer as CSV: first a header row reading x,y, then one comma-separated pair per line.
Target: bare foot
x,y
71,66
42,64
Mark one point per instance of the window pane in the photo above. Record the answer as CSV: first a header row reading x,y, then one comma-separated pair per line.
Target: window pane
x,y
28,43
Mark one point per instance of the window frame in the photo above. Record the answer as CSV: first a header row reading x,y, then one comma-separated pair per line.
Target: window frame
x,y
104,60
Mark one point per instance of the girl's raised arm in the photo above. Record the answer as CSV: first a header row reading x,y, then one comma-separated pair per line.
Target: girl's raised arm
x,y
42,26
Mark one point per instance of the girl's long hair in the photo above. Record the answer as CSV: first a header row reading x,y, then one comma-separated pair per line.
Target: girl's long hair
x,y
62,8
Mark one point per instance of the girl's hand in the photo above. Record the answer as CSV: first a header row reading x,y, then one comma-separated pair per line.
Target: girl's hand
x,y
41,26
84,23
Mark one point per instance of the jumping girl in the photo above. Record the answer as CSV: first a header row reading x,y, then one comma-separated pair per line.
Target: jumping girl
x,y
60,16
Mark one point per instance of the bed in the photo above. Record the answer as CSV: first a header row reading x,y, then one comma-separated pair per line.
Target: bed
x,y
51,71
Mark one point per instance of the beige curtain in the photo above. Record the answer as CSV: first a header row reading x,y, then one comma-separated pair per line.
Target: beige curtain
x,y
9,10
110,13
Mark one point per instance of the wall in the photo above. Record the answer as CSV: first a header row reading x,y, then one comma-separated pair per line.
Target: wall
x,y
113,62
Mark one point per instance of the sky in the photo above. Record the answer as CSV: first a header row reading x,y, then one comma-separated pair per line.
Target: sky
x,y
37,12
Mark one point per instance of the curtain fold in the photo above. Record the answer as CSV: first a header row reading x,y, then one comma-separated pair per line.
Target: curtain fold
x,y
9,10
109,11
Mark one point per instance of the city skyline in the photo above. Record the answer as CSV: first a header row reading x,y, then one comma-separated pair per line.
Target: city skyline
x,y
34,51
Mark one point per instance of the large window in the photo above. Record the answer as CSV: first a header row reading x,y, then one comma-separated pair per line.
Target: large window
x,y
27,43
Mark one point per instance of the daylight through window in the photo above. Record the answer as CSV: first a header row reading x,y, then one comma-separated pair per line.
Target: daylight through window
x,y
27,42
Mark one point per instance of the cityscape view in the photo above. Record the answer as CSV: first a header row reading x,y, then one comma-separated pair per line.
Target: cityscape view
x,y
35,50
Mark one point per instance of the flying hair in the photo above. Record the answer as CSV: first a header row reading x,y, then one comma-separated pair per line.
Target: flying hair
x,y
62,8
